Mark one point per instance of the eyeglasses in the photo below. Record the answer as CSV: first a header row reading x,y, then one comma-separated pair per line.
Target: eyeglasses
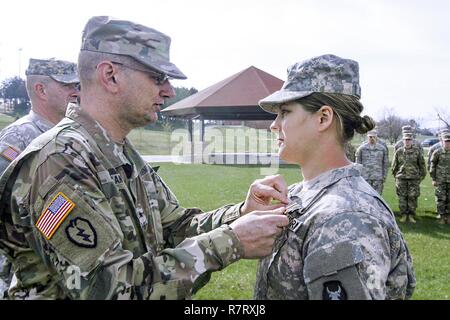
x,y
160,78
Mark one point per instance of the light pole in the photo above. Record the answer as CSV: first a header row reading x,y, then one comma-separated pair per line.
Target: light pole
x,y
19,50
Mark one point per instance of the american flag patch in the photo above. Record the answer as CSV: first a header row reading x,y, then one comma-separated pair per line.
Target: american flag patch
x,y
52,217
10,153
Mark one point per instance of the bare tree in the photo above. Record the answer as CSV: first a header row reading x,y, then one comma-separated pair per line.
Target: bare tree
x,y
390,127
444,116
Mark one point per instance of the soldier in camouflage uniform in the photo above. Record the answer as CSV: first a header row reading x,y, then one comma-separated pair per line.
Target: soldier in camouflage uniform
x,y
436,146
408,168
51,85
431,150
343,241
383,143
440,174
84,217
373,157
416,144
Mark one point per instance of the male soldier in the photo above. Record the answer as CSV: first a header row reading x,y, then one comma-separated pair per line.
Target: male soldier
x,y
432,149
382,142
408,130
436,146
408,168
440,174
373,157
51,85
87,218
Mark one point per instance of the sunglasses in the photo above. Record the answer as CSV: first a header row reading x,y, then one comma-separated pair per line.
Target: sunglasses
x,y
160,78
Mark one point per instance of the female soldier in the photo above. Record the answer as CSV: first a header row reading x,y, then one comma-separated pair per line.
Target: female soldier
x,y
343,241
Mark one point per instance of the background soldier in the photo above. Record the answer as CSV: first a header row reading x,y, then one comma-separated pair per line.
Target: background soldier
x,y
92,209
373,156
383,143
408,130
51,85
440,174
408,168
436,146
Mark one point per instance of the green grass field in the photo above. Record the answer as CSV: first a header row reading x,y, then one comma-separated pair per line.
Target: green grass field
x,y
209,186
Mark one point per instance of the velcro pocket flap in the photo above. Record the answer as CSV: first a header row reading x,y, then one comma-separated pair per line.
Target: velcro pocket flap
x,y
330,259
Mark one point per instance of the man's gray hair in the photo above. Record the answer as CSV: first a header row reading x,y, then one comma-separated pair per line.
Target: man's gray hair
x,y
32,80
88,61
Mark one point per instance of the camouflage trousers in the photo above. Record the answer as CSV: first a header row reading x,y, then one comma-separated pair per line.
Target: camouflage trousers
x,y
442,193
408,191
5,276
377,185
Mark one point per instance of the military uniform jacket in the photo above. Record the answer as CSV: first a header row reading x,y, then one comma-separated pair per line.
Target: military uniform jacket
x,y
374,160
408,164
416,144
121,233
18,135
342,243
440,166
432,149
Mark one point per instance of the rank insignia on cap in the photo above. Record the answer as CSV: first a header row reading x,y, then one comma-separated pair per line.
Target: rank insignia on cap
x,y
10,153
55,213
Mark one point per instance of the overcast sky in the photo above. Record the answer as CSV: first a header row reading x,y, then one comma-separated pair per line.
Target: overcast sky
x,y
402,46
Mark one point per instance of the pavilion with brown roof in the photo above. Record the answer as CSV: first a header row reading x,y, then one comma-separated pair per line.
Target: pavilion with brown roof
x,y
234,98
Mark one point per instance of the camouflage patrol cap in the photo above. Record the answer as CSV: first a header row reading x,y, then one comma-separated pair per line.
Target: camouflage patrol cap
x,y
407,135
444,130
372,133
146,45
407,128
327,73
446,136
59,70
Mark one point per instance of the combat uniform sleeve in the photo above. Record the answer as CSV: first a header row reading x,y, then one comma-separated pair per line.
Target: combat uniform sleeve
x,y
347,258
395,164
422,166
86,242
179,223
385,163
433,163
8,152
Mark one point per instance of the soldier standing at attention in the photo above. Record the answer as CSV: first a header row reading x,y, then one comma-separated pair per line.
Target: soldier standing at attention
x,y
85,217
373,157
342,241
51,84
440,175
408,168
436,146
416,144
433,148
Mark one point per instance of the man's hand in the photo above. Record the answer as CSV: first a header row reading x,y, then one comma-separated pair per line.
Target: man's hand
x,y
257,231
434,183
263,191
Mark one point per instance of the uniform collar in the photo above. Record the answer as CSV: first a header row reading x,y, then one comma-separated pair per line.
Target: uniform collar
x,y
114,153
305,193
42,124
330,177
